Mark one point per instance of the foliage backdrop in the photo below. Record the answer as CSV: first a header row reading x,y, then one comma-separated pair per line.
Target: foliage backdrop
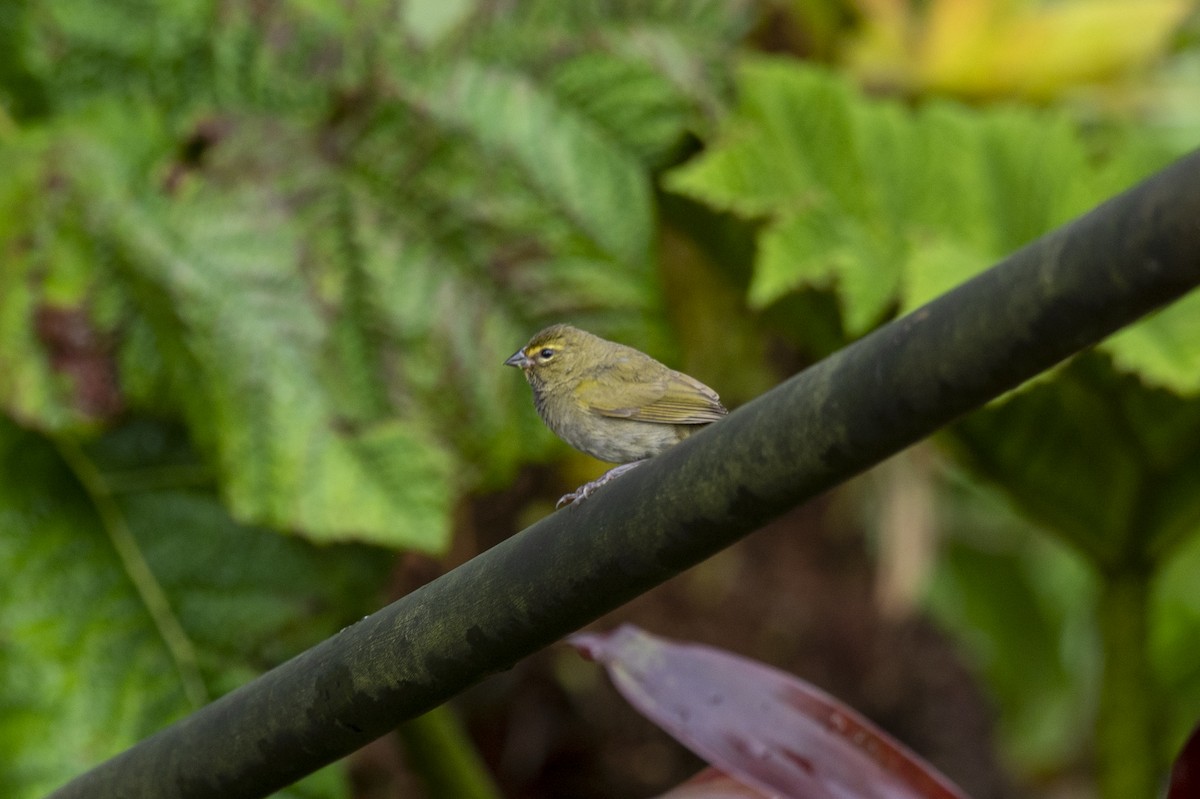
x,y
260,265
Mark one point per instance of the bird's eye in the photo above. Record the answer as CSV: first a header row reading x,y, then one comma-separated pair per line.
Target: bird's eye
x,y
546,354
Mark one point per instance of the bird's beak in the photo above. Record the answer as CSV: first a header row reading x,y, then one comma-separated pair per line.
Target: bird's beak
x,y
519,359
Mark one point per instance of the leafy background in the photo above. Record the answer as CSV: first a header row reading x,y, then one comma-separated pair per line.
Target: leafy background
x,y
260,265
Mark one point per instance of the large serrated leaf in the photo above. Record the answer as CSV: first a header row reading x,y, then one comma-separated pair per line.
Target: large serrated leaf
x,y
71,627
633,102
255,336
867,196
135,48
596,184
1135,448
88,667
761,161
1163,349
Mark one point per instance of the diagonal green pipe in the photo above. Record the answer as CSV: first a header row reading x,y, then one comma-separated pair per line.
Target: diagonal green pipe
x,y
1062,293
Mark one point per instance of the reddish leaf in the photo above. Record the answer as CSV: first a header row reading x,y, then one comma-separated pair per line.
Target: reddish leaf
x,y
713,784
759,725
1185,774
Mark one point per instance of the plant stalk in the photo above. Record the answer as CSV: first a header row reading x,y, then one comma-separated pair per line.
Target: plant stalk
x,y
1127,735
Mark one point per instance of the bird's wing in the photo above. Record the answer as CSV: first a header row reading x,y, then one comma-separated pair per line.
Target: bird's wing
x,y
669,397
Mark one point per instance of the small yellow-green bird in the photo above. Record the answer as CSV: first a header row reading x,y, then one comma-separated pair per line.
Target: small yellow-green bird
x,y
609,400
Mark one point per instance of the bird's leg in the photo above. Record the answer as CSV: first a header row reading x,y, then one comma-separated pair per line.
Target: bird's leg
x,y
585,491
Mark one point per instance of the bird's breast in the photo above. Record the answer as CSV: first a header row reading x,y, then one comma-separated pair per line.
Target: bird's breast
x,y
607,438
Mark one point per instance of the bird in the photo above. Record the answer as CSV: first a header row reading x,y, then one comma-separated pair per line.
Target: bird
x,y
611,401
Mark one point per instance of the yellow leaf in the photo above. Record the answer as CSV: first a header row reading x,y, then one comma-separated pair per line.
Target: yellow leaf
x,y
1024,48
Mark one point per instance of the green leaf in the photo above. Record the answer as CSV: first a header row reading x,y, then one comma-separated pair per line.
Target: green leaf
x,y
89,667
634,103
1099,459
1162,350
590,179
250,328
57,370
83,670
885,204
790,154
1002,589
1175,625
431,20
936,266
132,48
818,250
762,161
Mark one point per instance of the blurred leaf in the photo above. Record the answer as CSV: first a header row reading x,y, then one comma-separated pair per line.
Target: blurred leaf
x,y
432,20
1162,349
1175,626
253,334
1000,588
787,154
85,670
832,247
712,784
56,365
592,182
635,104
80,51
1111,437
22,94
890,206
761,726
996,48
438,750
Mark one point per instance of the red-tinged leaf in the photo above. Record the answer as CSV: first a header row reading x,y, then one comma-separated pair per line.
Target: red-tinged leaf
x,y
759,725
713,784
1185,774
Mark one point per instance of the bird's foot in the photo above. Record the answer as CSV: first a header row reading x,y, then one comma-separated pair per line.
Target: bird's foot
x,y
585,490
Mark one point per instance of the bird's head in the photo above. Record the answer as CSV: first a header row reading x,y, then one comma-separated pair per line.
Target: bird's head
x,y
555,354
